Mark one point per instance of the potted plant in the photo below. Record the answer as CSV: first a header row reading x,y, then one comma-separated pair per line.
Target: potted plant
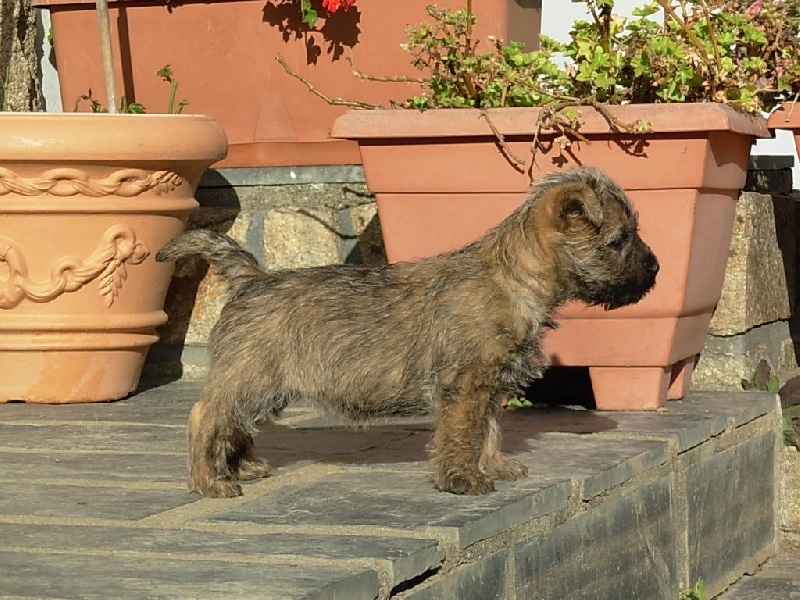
x,y
784,54
86,200
224,52
666,103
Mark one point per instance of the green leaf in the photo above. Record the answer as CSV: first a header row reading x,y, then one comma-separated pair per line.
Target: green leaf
x,y
646,10
309,15
165,73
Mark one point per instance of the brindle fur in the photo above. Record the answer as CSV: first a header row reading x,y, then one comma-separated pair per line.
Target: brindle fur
x,y
451,335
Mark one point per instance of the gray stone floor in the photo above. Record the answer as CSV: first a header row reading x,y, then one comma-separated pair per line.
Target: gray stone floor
x,y
779,577
93,502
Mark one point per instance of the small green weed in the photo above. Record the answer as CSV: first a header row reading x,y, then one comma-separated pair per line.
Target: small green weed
x,y
165,73
523,402
763,380
519,402
698,592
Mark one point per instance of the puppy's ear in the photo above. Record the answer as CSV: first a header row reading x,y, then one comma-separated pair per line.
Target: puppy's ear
x,y
576,205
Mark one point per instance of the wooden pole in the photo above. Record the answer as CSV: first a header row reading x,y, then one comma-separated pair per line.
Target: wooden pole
x,y
104,24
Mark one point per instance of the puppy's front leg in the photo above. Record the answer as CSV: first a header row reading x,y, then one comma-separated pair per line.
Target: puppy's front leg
x,y
498,464
461,430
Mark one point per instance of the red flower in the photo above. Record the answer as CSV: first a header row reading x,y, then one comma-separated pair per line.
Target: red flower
x,y
334,5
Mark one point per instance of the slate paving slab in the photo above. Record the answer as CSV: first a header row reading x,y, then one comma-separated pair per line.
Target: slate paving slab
x,y
763,587
91,437
358,498
55,464
401,558
777,579
106,576
165,404
599,463
94,502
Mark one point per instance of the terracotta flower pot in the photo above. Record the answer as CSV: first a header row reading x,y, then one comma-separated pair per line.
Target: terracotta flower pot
x,y
441,181
223,56
787,116
85,203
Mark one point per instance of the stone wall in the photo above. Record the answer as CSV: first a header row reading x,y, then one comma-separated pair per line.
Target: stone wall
x,y
288,218
301,217
755,319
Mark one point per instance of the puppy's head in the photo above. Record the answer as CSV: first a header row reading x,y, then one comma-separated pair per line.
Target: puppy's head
x,y
594,239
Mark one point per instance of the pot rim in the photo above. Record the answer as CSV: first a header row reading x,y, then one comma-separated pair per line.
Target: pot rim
x,y
687,118
786,116
37,137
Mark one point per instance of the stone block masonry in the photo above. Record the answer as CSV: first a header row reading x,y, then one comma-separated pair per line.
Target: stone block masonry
x,y
291,217
755,318
618,505
288,218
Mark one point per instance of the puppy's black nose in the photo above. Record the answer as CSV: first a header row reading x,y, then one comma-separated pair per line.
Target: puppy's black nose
x,y
654,267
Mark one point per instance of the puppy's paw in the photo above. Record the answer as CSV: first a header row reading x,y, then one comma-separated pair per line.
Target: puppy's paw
x,y
472,484
219,488
253,468
506,468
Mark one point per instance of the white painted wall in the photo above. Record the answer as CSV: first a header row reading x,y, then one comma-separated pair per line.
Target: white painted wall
x,y
557,19
50,87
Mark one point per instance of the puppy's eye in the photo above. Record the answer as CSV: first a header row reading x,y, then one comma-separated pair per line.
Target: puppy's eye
x,y
618,244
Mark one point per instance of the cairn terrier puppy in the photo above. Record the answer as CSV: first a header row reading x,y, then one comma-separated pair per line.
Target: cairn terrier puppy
x,y
451,335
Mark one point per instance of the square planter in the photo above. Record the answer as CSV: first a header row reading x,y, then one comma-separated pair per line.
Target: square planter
x,y
223,55
441,181
787,116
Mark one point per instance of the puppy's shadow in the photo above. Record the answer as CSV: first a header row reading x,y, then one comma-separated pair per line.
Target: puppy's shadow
x,y
406,440
283,445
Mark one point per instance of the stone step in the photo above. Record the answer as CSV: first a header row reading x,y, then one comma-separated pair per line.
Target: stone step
x,y
618,505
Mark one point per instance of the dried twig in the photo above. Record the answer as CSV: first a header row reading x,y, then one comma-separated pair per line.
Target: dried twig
x,y
791,107
385,79
316,92
562,102
501,139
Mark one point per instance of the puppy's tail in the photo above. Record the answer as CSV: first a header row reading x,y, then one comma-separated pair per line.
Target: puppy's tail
x,y
237,266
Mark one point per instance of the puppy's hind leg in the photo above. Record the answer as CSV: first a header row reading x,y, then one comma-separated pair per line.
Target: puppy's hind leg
x,y
247,466
219,450
258,404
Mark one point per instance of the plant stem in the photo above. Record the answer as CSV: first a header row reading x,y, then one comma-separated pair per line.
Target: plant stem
x,y
714,73
605,25
384,79
103,23
173,89
501,139
711,35
473,93
319,94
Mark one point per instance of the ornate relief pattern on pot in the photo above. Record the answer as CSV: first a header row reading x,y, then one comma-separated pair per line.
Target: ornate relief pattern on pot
x,y
71,182
107,264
